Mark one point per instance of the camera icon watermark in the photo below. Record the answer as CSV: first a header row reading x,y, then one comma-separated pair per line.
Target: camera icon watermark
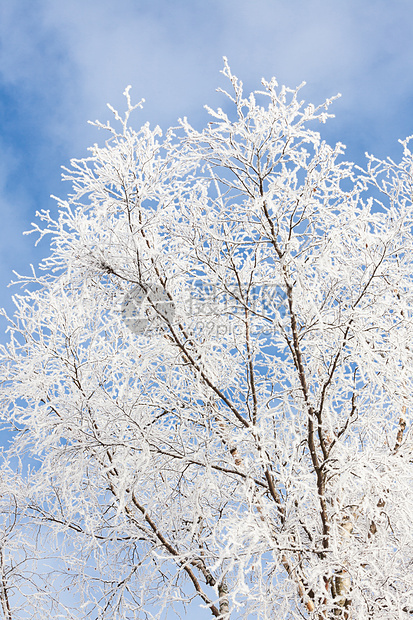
x,y
146,307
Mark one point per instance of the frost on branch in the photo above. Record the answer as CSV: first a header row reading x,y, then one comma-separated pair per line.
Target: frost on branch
x,y
213,373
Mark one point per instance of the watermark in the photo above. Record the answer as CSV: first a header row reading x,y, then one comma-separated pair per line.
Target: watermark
x,y
266,301
209,308
145,307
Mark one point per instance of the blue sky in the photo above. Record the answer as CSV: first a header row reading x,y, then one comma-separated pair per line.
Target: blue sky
x,y
61,61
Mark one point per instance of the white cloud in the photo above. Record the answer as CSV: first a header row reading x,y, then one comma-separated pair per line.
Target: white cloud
x,y
87,52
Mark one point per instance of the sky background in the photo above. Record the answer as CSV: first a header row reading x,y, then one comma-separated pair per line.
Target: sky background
x,y
61,61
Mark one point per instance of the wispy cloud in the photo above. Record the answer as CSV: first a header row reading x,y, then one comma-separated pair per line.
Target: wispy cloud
x,y
83,54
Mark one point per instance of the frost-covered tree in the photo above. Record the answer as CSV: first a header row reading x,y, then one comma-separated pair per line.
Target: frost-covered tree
x,y
213,369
